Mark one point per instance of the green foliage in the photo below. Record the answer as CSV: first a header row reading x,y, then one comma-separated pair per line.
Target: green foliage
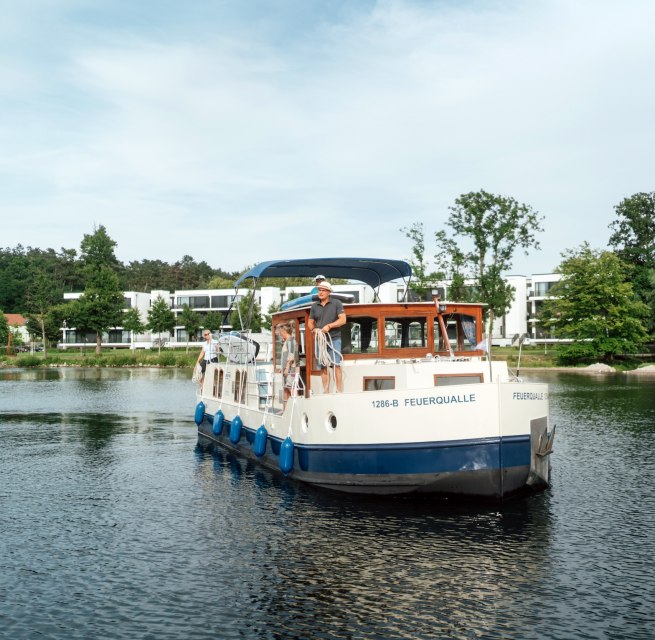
x,y
43,293
167,359
97,251
633,235
56,317
633,239
484,232
267,322
575,353
247,315
494,228
220,282
28,360
132,322
595,305
422,278
100,307
161,318
212,321
190,320
4,329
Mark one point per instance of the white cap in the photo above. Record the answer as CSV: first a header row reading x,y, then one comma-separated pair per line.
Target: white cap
x,y
325,285
319,277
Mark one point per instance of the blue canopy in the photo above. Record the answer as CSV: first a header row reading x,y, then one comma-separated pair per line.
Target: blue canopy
x,y
372,271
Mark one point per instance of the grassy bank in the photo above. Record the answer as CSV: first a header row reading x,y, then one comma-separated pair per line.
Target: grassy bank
x,y
108,358
531,357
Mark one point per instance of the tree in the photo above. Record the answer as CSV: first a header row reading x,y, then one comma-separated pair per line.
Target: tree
x,y
4,329
160,318
97,250
132,322
213,321
422,279
595,306
42,294
190,320
633,239
495,227
55,318
274,307
247,315
220,282
100,307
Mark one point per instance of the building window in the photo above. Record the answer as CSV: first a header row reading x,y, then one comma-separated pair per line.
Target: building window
x,y
541,289
194,302
220,302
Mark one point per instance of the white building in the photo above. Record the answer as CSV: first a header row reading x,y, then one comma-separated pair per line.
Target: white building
x,y
522,317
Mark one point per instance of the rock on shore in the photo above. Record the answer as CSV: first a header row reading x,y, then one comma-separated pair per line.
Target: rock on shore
x,y
648,370
599,367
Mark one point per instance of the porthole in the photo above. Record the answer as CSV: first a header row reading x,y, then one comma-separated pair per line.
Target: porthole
x,y
304,423
331,422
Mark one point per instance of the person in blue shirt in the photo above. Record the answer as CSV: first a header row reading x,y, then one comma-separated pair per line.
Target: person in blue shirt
x,y
317,280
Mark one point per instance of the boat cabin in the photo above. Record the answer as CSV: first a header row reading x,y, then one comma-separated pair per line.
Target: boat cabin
x,y
389,332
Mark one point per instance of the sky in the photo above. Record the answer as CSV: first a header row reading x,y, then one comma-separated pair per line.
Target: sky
x,y
237,131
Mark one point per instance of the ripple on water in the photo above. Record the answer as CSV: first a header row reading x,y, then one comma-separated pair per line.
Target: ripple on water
x,y
114,525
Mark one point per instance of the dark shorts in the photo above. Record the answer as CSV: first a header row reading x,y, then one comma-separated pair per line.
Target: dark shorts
x,y
203,364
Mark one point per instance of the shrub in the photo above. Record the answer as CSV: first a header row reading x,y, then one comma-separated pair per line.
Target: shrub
x,y
166,359
576,353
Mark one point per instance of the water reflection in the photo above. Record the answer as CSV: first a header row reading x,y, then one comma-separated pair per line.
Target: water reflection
x,y
114,524
412,566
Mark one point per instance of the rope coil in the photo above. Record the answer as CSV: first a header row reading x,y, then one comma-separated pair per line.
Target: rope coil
x,y
323,355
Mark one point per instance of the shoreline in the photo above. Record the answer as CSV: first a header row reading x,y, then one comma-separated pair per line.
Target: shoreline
x,y
593,369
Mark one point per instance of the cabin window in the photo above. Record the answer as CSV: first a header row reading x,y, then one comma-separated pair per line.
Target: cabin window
x,y
401,333
240,382
359,335
379,384
441,380
218,383
462,332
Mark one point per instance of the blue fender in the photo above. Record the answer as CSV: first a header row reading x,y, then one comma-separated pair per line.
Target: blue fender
x,y
286,455
217,425
259,446
235,430
200,413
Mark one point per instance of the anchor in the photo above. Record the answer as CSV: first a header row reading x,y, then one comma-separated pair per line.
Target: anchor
x,y
545,447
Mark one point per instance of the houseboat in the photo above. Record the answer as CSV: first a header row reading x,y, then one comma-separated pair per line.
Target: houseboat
x,y
424,409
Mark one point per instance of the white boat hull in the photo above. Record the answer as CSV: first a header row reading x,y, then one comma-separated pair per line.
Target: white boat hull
x,y
469,440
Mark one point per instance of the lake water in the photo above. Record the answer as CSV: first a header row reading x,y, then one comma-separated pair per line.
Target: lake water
x,y
113,524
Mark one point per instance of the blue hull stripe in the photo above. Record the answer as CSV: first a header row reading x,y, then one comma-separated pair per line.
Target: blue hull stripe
x,y
401,458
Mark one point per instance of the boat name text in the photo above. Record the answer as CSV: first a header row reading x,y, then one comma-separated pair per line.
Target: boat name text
x,y
529,395
424,401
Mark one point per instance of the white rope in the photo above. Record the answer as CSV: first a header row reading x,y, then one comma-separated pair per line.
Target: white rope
x,y
323,355
321,343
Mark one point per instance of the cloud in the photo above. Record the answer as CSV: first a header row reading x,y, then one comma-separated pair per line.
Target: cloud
x,y
301,133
